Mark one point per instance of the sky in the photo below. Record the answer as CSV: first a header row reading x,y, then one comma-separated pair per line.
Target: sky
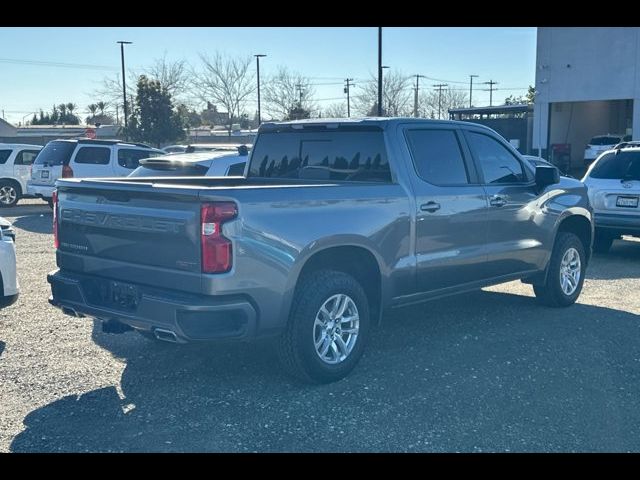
x,y
326,55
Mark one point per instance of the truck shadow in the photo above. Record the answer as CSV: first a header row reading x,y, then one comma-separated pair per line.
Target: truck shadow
x,y
35,222
487,371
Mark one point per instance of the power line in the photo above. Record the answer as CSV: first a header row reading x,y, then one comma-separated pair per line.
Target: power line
x,y
57,64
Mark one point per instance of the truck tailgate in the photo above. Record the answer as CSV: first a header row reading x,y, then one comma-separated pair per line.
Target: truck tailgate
x,y
139,233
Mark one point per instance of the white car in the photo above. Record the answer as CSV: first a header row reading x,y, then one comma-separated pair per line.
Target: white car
x,y
202,164
15,168
9,287
601,143
84,158
613,186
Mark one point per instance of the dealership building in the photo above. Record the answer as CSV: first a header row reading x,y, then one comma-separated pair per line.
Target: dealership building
x,y
587,84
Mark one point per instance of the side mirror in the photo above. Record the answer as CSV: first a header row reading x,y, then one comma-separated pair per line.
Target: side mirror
x,y
546,175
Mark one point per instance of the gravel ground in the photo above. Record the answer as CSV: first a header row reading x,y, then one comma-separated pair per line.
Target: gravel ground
x,y
487,371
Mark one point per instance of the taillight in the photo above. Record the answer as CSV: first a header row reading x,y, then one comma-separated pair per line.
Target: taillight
x,y
54,199
216,249
67,172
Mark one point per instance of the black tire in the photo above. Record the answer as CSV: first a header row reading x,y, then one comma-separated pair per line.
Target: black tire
x,y
550,293
602,242
7,186
296,348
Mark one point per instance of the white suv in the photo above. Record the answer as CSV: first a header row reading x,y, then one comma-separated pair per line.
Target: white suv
x,y
15,168
84,158
613,185
8,278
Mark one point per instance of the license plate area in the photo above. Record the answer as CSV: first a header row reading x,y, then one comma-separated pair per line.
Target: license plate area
x,y
627,202
112,294
44,174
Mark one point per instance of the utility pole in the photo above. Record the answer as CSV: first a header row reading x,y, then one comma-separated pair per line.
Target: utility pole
x,y
471,77
415,98
379,71
117,118
258,56
299,87
346,90
124,85
491,83
440,86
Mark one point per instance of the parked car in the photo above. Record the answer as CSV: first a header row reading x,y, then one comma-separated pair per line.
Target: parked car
x,y
15,168
613,183
336,223
9,288
539,161
84,158
200,147
210,164
600,143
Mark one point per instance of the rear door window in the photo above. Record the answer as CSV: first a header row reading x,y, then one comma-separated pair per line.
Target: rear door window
x,y
437,156
130,158
93,155
322,154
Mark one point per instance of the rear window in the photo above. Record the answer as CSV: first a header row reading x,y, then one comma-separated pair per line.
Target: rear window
x,y
236,170
620,166
55,153
604,140
323,155
4,155
130,158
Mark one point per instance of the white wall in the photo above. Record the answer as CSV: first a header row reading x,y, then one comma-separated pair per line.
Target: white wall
x,y
575,64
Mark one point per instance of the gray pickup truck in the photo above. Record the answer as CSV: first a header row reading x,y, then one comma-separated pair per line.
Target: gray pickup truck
x,y
333,224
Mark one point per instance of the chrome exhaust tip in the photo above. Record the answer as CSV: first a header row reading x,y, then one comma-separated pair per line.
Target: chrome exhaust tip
x,y
165,335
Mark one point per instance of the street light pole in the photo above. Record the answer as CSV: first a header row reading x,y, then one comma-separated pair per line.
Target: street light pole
x,y
258,56
124,86
471,77
379,71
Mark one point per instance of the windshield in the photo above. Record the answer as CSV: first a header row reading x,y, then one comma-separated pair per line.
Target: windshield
x,y
356,155
620,166
55,153
604,140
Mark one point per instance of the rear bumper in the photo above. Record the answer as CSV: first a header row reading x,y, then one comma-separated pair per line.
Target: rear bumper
x,y
618,224
40,191
191,317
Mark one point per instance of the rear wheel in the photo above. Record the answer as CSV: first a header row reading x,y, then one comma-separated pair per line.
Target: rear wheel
x,y
327,329
10,193
602,242
565,275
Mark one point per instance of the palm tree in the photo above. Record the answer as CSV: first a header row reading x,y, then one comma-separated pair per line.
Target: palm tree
x,y
101,106
93,108
71,107
63,109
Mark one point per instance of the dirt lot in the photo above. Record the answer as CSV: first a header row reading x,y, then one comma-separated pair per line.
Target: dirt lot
x,y
488,371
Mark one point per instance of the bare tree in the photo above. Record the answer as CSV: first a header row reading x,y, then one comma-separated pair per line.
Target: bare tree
x,y
285,91
396,95
431,102
335,110
227,81
172,75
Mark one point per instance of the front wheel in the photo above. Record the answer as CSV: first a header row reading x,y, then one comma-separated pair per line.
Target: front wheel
x,y
9,194
565,275
327,328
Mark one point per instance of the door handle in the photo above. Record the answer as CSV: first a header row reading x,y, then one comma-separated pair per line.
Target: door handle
x,y
497,201
430,207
